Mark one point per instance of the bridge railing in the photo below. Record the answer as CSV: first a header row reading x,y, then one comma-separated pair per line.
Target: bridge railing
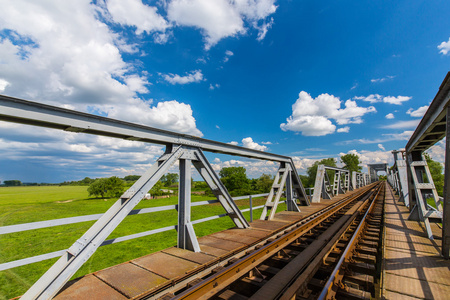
x,y
74,220
185,150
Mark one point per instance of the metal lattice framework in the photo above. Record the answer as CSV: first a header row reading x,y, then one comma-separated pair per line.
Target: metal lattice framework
x,y
186,149
434,126
399,177
323,189
373,170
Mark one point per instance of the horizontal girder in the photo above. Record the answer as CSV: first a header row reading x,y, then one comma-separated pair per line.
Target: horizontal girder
x,y
37,114
431,128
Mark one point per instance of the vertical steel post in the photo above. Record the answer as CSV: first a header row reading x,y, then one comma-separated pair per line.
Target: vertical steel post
x,y
319,184
251,208
186,234
290,201
354,180
446,209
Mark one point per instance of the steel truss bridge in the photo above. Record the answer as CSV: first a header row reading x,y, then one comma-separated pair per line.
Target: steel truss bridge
x,y
410,175
344,211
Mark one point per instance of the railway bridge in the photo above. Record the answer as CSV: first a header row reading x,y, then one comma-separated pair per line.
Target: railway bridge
x,y
354,237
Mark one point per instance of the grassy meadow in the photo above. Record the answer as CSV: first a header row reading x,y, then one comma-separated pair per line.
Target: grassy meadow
x,y
38,203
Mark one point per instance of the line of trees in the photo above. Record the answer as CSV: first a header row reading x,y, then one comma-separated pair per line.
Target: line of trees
x,y
236,181
12,183
234,178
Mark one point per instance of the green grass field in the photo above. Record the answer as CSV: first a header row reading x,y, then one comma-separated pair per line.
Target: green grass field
x,y
31,204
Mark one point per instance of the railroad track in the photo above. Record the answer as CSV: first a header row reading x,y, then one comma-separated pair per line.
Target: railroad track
x,y
291,263
352,269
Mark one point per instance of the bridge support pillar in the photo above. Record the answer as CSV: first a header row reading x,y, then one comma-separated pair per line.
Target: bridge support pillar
x,y
186,234
446,206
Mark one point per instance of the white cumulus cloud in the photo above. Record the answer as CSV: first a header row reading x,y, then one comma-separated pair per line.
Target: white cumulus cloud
x,y
396,100
194,76
59,49
62,53
418,113
219,19
381,147
312,116
3,84
444,47
249,143
437,151
374,98
372,157
135,13
170,115
345,129
390,116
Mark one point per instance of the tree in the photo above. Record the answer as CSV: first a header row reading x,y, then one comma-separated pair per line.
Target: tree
x,y
106,187
200,185
156,189
305,180
12,183
235,178
436,173
131,177
86,181
263,184
312,171
169,179
351,162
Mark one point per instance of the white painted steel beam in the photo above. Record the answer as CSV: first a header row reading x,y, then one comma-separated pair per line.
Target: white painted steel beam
x,y
219,190
322,184
55,277
186,234
429,132
32,113
446,199
402,181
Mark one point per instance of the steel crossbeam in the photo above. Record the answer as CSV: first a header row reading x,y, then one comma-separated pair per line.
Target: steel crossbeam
x,y
373,170
219,190
322,186
32,113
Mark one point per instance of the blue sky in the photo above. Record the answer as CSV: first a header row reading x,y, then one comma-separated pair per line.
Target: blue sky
x,y
306,79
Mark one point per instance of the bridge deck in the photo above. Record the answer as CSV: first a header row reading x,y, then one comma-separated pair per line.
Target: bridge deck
x,y
413,267
132,278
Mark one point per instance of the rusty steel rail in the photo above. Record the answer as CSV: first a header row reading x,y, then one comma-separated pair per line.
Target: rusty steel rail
x,y
172,287
334,281
250,258
299,285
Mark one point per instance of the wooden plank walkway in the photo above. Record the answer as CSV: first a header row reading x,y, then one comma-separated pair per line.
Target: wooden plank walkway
x,y
412,265
132,278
